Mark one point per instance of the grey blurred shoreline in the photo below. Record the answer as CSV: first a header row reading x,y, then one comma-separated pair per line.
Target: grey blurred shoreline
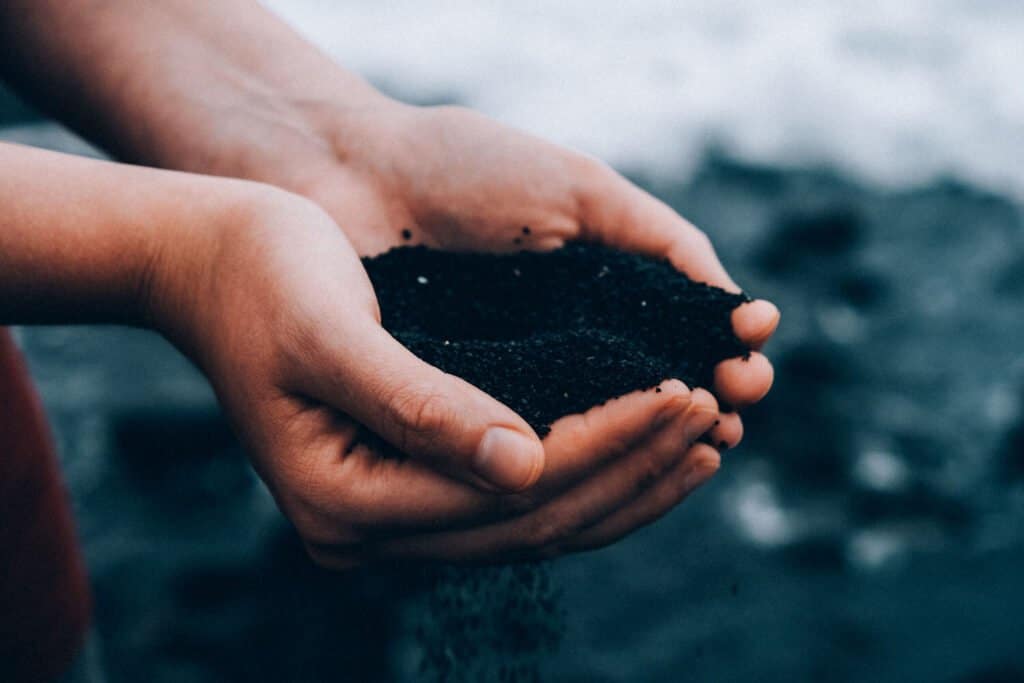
x,y
871,528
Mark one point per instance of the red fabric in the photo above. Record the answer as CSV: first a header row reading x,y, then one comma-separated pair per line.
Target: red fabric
x,y
44,596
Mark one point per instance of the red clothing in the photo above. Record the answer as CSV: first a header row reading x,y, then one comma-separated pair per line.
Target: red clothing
x,y
44,597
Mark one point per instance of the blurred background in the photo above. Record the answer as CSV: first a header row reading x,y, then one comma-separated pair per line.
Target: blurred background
x,y
857,163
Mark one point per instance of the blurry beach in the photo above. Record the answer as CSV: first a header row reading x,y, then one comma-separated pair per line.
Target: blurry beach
x,y
858,165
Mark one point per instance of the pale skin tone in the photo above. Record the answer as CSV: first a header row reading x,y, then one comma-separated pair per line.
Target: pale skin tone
x,y
260,282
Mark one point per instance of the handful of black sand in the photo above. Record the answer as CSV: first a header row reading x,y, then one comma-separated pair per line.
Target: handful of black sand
x,y
555,333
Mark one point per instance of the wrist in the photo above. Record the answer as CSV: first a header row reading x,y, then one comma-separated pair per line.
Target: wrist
x,y
79,238
282,139
201,265
215,88
176,277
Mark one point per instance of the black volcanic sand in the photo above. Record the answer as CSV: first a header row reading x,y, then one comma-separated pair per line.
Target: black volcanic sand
x,y
555,333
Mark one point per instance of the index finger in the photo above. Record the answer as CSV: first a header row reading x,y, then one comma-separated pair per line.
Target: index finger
x,y
617,213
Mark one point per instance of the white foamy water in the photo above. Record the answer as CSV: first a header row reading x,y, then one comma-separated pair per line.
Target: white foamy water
x,y
892,92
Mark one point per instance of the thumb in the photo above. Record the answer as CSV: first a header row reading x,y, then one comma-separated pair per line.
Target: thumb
x,y
428,414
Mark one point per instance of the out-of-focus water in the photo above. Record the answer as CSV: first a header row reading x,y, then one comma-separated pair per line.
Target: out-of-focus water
x,y
894,92
871,526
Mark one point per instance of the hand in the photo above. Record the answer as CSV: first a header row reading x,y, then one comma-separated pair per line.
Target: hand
x,y
284,323
272,303
457,180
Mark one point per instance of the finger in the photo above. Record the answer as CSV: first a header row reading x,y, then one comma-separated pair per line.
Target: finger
x,y
382,497
386,497
617,213
755,321
428,414
727,432
338,490
743,381
582,443
362,495
698,466
598,496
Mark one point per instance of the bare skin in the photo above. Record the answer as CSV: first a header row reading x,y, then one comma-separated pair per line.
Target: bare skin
x,y
266,294
263,291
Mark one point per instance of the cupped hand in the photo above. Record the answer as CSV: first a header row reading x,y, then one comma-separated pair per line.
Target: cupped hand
x,y
274,306
454,179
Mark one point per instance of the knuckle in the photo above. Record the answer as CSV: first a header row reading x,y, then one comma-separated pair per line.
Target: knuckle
x,y
516,504
677,403
318,521
594,177
701,237
650,472
704,399
547,530
573,428
593,169
674,405
419,415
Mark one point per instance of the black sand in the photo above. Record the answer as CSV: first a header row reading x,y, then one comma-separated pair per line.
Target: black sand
x,y
552,334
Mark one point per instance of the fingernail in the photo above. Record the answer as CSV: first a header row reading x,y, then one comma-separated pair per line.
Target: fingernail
x,y
755,321
769,311
508,459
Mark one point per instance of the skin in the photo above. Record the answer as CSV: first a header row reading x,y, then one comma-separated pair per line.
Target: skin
x,y
260,282
299,364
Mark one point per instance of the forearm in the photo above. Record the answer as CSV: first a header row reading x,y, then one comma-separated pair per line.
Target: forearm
x,y
214,87
79,238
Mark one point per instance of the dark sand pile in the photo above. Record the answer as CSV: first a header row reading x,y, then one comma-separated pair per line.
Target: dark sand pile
x,y
552,334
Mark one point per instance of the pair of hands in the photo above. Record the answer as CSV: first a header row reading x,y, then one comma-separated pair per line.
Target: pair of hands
x,y
275,307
